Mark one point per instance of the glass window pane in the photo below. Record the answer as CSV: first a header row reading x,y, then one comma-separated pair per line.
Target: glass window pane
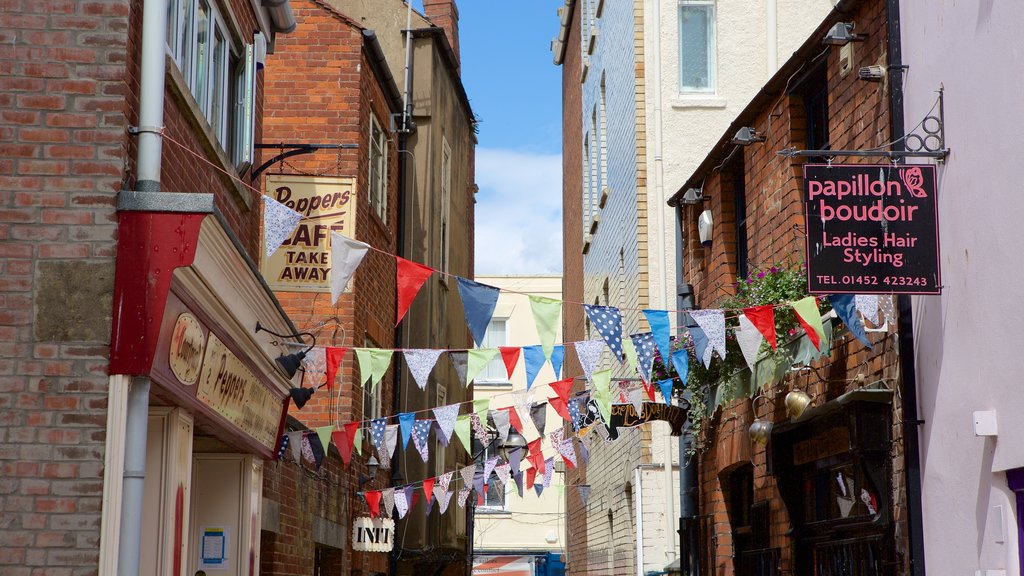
x,y
494,337
695,47
185,40
172,27
202,56
217,78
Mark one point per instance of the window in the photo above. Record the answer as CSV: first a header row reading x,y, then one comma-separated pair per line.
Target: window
x,y
496,335
697,46
814,91
222,81
595,166
446,185
495,500
587,193
378,180
603,139
371,397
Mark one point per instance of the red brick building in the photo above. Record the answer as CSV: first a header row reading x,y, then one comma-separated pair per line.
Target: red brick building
x,y
777,509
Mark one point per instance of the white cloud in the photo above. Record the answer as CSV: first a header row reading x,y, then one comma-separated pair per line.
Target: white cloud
x,y
518,212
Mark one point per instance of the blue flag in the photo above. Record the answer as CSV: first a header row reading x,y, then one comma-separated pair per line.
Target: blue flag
x,y
845,306
660,327
608,321
644,344
406,420
666,388
478,301
557,355
681,362
700,341
533,356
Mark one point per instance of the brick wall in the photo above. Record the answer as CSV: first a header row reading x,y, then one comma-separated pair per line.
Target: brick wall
x,y
858,118
321,88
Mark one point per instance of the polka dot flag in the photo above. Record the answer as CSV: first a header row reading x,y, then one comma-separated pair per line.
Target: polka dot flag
x,y
608,322
421,437
644,344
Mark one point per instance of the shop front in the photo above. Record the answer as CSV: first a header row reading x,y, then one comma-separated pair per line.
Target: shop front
x,y
187,301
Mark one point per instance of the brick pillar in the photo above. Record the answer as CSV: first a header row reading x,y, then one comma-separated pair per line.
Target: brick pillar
x,y
443,13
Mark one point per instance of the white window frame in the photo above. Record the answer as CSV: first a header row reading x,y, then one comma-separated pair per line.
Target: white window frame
x,y
377,190
712,47
497,360
489,451
446,202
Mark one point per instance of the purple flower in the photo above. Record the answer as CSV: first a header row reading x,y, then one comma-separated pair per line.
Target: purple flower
x,y
750,280
760,275
773,270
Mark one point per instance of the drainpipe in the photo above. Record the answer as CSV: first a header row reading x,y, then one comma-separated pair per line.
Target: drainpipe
x,y
905,327
689,561
147,179
638,490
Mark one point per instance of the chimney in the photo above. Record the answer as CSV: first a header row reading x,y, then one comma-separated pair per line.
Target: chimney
x,y
444,14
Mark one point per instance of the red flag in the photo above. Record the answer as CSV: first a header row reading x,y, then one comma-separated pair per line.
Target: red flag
x,y
412,501
510,355
568,463
373,501
561,407
345,441
562,389
428,489
409,277
536,456
812,334
513,418
334,356
531,476
763,318
649,388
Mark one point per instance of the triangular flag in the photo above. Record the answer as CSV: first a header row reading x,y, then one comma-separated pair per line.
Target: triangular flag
x,y
557,356
846,307
468,473
749,340
515,458
410,496
661,329
584,492
479,430
343,440
589,354
549,469
357,441
409,278
316,448
513,418
534,358
390,440
333,356
373,363
560,407
867,305
444,497
504,472
346,255
810,319
489,465
568,452
388,496
282,445
501,423
545,315
401,503
636,398
701,347
531,476
421,363
584,453
324,434
462,426
444,480
888,308
644,344
406,420
279,222
463,495
536,455
377,428
315,365
629,351
681,362
518,477
478,359
445,417
712,322
763,318
539,415
604,405
562,388
373,501
539,487
510,356
478,301
608,322
602,380
480,406
421,437
428,489
666,389
295,441
459,360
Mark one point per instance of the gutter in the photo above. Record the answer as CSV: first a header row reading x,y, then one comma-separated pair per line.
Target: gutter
x,y
381,69
565,21
282,20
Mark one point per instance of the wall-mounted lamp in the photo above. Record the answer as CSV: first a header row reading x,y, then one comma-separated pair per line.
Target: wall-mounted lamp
x,y
760,431
693,196
371,466
842,34
872,73
290,364
746,136
705,226
796,402
512,442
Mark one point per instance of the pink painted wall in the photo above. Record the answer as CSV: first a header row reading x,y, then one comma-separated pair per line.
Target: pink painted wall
x,y
969,341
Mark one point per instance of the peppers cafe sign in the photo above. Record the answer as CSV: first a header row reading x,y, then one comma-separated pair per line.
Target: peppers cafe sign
x,y
871,229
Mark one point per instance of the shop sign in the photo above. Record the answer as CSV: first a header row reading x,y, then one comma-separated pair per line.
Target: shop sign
x,y
373,534
624,415
303,262
231,390
185,353
871,229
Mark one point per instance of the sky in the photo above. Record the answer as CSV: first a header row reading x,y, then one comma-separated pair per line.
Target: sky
x,y
515,90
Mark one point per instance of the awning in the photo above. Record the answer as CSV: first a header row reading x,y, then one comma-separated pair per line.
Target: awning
x,y
505,565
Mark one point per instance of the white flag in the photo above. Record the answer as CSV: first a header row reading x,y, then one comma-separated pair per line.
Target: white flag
x,y
346,254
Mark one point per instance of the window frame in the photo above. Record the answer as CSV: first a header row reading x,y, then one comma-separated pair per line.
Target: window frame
x,y
446,203
377,191
484,378
487,452
711,46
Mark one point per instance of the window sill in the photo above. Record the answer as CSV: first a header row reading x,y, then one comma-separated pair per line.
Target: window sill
x,y
493,383
696,101
494,512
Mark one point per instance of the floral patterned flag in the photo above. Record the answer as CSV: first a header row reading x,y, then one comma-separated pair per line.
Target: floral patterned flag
x,y
460,361
867,305
549,468
467,474
489,465
279,221
388,496
444,480
712,322
421,363
401,503
608,321
504,472
315,364
589,354
463,495
443,497
568,452
445,417
479,431
888,308
390,440
584,492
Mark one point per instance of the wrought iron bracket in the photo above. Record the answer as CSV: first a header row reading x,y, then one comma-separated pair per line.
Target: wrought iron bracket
x,y
926,140
289,150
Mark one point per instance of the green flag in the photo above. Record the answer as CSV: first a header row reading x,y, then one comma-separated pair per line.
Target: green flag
x,y
602,380
545,315
373,363
603,398
480,406
462,431
630,351
807,313
477,360
324,433
357,441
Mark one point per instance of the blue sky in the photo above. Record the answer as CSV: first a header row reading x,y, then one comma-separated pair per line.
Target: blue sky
x,y
515,90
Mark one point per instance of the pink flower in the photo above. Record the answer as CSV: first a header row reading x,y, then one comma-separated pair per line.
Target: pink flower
x,y
792,331
760,274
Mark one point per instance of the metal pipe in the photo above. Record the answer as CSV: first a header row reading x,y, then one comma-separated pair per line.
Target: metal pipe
x,y
151,97
407,89
133,489
637,482
905,326
281,17
772,24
